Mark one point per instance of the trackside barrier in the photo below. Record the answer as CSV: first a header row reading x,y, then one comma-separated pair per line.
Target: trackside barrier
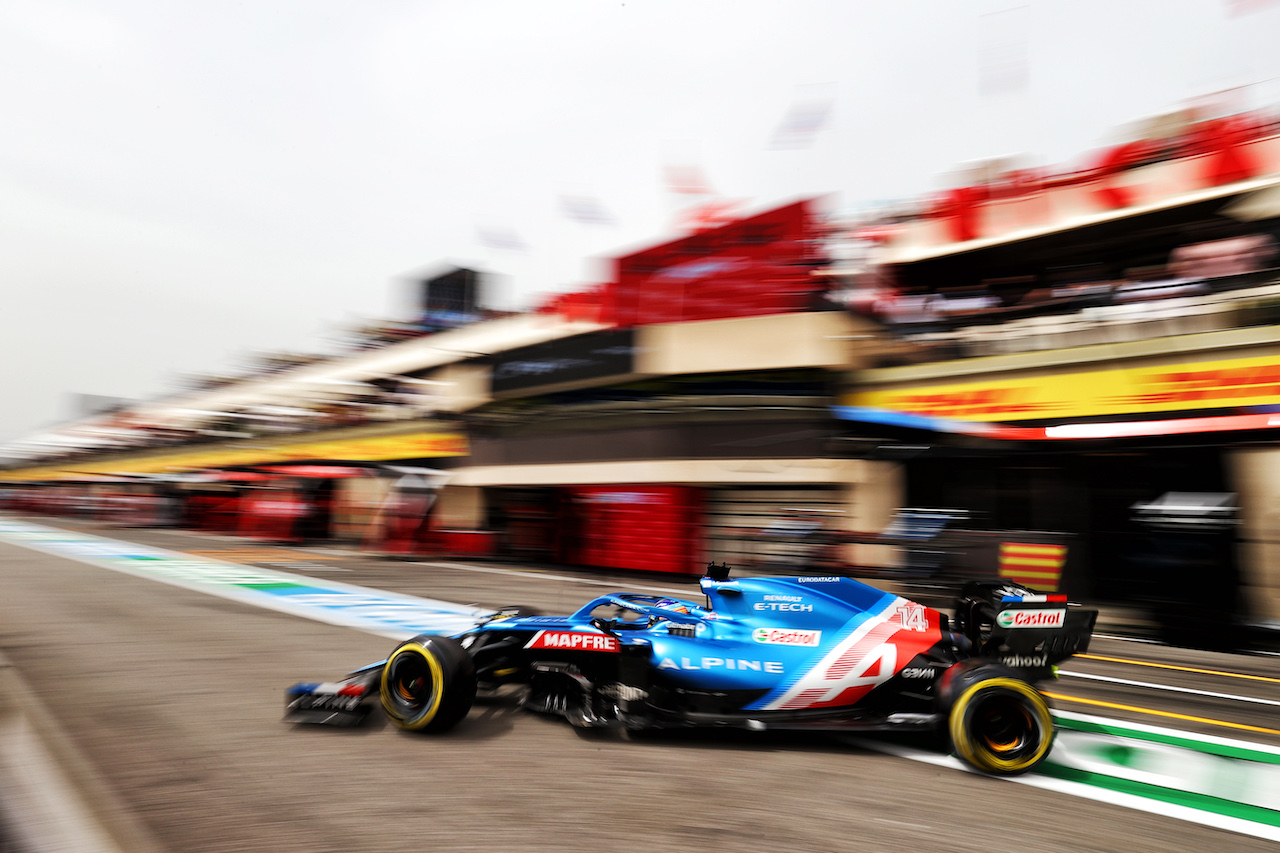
x,y
51,799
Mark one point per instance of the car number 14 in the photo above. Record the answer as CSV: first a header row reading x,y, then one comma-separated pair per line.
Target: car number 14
x,y
913,618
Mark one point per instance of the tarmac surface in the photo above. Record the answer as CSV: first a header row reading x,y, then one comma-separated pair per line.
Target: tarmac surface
x,y
168,702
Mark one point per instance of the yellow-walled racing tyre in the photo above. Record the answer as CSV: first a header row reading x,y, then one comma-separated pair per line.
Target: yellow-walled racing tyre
x,y
997,722
428,684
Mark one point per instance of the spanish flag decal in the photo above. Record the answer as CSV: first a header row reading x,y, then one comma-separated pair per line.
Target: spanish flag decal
x,y
1036,566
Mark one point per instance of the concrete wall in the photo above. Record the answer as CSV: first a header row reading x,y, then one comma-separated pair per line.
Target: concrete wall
x,y
460,507
1255,474
869,506
466,387
357,505
778,341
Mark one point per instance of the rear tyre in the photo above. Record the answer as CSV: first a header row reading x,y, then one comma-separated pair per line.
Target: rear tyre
x,y
997,722
428,684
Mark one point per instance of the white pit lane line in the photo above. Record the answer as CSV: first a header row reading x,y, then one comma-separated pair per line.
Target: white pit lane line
x,y
1168,687
1127,639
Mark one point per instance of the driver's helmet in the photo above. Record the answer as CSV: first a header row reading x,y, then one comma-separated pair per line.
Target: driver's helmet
x,y
671,604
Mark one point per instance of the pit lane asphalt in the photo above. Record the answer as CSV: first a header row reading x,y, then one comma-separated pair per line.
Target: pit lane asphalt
x,y
175,698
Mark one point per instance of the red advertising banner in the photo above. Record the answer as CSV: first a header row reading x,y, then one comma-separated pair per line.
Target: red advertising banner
x,y
1206,159
756,265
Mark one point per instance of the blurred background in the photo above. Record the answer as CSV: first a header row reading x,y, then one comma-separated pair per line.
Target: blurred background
x,y
920,293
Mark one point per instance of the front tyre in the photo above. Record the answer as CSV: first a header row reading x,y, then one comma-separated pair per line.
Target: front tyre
x,y
428,684
998,723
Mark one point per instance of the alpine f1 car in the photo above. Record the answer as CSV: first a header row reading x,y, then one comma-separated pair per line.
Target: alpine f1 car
x,y
824,653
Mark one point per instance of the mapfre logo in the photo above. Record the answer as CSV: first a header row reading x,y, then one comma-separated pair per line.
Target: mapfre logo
x,y
577,641
1031,618
786,636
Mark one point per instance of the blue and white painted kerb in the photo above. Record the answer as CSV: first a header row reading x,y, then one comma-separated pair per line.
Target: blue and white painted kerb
x,y
386,614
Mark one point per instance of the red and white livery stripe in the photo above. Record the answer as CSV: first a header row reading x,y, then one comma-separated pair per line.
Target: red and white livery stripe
x,y
872,654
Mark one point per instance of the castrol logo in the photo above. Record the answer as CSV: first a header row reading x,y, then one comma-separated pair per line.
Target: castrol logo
x,y
786,636
1031,618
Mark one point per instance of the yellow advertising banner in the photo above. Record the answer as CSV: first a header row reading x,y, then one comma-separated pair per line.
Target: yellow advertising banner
x,y
1171,388
419,445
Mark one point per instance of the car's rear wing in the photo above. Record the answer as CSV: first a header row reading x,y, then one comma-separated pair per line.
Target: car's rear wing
x,y
1032,633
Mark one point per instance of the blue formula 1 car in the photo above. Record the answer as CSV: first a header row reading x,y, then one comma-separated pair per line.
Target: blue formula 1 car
x,y
827,653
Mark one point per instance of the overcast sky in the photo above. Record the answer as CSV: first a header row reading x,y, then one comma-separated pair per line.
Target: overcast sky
x,y
184,183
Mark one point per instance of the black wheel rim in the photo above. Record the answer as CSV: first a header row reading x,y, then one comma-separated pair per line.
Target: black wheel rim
x,y
1005,727
409,683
